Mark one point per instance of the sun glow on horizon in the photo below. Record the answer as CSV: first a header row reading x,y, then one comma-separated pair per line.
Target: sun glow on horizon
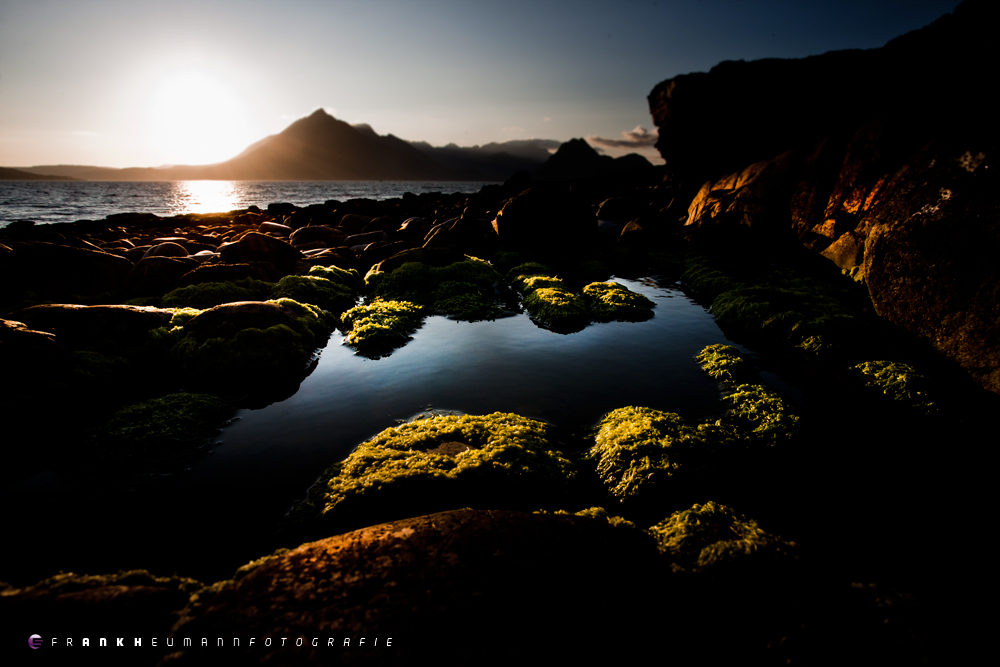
x,y
193,118
206,196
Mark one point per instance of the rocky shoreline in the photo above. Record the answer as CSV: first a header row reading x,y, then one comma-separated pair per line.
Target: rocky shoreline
x,y
230,309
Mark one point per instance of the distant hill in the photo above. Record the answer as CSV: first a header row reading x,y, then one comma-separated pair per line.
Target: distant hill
x,y
577,159
319,148
8,174
492,161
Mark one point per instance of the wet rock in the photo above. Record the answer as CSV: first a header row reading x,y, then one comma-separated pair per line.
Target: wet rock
x,y
56,272
226,320
255,247
135,603
328,235
929,256
354,223
620,209
218,273
168,249
545,221
274,228
153,276
74,324
455,585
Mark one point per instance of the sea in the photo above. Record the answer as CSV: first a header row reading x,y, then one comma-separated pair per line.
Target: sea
x,y
47,202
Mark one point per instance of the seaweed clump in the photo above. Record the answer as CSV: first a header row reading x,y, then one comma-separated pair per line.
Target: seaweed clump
x,y
725,364
378,327
162,425
240,345
500,461
712,536
612,301
470,289
899,383
639,451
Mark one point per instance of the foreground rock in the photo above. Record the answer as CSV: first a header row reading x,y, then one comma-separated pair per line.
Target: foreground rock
x,y
461,587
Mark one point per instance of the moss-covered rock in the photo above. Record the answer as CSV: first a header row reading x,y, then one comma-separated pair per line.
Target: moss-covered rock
x,y
557,309
246,345
378,327
727,365
638,450
347,277
166,426
712,536
207,295
499,461
613,301
331,296
762,415
899,383
82,605
469,290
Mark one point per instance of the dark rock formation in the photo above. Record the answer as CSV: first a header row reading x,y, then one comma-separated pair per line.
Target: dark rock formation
x,y
891,184
85,324
743,112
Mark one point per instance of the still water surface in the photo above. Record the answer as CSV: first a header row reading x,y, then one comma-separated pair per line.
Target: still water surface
x,y
224,511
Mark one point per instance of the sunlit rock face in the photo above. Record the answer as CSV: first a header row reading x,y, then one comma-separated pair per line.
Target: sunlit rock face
x,y
463,584
849,155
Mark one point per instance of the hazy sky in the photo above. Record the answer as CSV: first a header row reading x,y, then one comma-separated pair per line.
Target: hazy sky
x,y
133,83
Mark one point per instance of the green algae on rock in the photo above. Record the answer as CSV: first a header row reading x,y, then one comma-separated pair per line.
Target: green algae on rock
x,y
613,301
469,290
709,536
378,327
636,449
161,426
762,415
329,295
727,365
900,383
557,309
207,295
499,460
247,344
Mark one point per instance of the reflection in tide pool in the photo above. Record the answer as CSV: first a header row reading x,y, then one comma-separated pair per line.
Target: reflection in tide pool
x,y
269,457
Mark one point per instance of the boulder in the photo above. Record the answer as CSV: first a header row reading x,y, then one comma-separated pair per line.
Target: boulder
x,y
545,220
458,586
154,276
219,273
81,324
256,247
54,271
227,320
167,249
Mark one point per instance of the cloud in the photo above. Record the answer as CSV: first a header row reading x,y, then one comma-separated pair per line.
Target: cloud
x,y
637,138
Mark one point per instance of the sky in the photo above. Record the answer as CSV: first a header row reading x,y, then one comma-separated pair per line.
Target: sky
x,y
134,83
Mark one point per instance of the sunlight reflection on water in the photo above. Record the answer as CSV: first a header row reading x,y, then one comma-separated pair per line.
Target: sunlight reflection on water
x,y
47,202
205,196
